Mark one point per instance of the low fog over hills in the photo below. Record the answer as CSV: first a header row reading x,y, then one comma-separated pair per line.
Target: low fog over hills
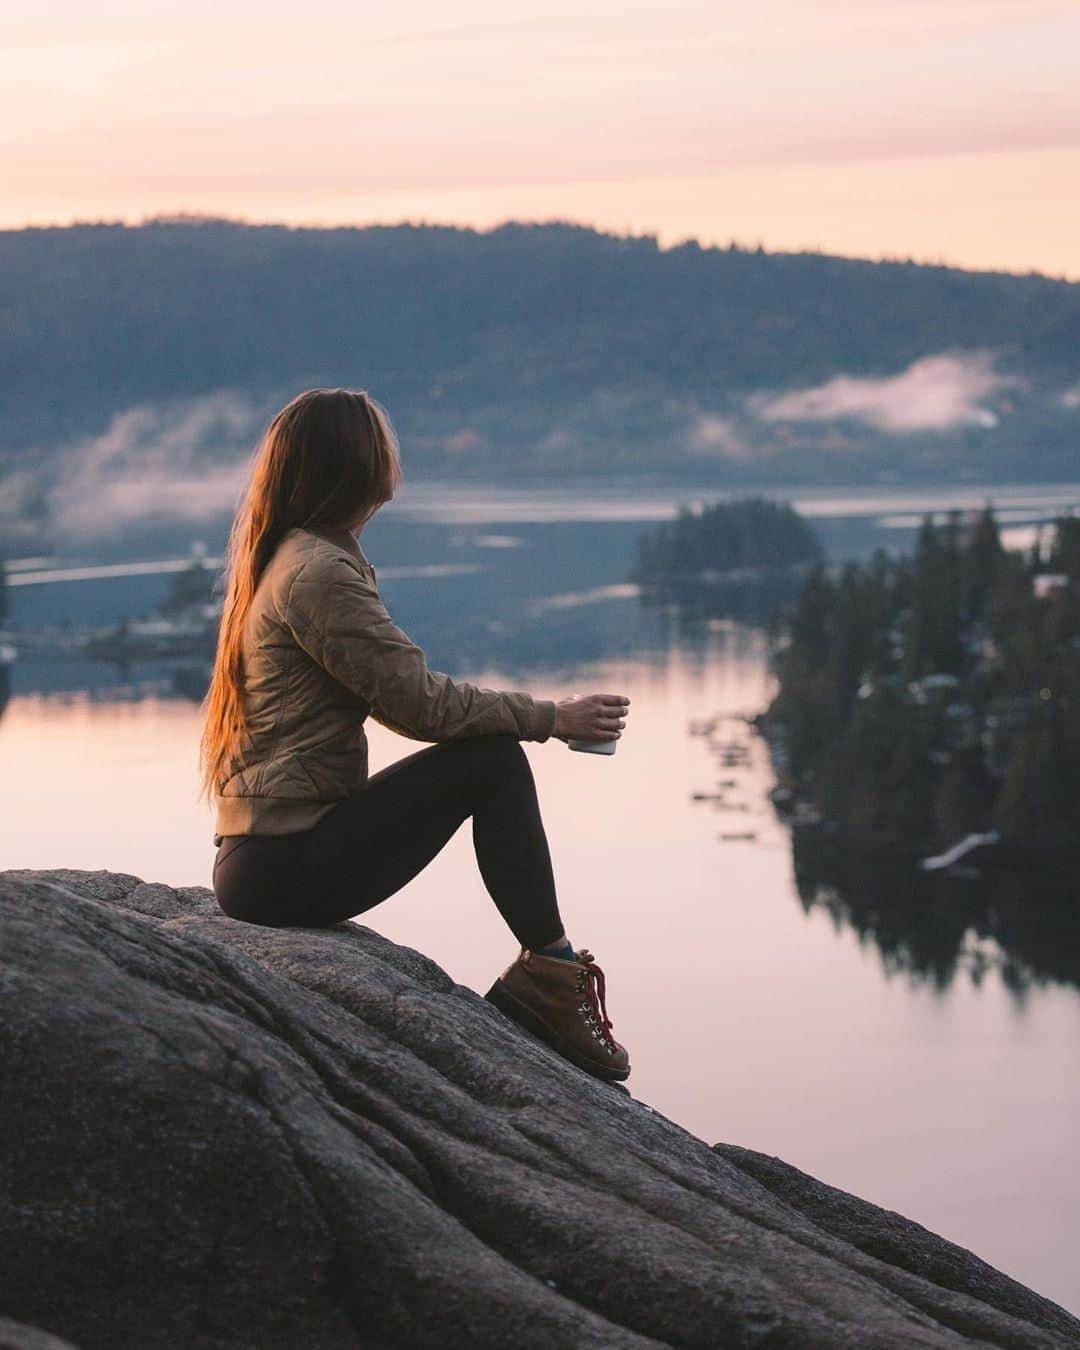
x,y
140,363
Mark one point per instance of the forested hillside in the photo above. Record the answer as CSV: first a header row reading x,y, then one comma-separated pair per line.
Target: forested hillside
x,y
923,698
547,347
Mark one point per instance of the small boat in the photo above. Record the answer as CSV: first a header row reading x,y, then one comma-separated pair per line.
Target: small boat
x,y
191,634
940,861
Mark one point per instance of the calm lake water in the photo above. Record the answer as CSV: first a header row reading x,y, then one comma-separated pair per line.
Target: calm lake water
x,y
757,1011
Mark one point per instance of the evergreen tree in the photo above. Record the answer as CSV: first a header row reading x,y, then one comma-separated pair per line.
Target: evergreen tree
x,y
1065,554
984,562
1001,744
749,532
1033,797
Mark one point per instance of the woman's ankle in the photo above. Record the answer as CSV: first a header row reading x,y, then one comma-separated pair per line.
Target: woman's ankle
x,y
562,949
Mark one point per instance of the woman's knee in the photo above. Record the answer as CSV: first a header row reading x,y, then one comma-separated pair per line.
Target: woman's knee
x,y
506,749
498,756
499,745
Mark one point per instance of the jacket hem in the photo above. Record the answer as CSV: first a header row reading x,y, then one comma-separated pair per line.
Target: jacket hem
x,y
269,815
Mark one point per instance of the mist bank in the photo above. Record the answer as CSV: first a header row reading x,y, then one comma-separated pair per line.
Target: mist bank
x,y
139,364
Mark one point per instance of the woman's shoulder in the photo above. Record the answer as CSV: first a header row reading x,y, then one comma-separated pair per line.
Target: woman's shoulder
x,y
305,574
310,548
306,563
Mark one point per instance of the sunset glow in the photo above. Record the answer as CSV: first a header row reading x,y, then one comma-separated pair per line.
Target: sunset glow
x,y
944,133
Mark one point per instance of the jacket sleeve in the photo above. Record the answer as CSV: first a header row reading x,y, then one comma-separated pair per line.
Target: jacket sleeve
x,y
336,615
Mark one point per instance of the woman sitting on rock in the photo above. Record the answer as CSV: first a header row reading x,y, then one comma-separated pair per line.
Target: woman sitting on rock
x,y
306,652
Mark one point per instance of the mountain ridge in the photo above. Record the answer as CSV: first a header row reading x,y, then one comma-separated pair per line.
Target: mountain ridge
x,y
532,347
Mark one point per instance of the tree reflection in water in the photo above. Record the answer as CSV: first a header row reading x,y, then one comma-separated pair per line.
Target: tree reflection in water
x,y
749,599
936,926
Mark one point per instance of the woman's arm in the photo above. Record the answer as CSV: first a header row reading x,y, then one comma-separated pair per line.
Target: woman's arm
x,y
335,614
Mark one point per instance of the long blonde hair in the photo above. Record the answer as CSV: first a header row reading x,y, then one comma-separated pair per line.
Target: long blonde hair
x,y
329,457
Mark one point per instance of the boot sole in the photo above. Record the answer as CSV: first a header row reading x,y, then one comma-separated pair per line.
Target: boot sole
x,y
525,1017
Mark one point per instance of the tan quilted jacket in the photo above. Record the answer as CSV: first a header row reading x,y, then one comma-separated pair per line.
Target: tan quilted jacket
x,y
321,653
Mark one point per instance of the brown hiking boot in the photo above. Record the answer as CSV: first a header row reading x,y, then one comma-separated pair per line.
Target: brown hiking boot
x,y
562,1002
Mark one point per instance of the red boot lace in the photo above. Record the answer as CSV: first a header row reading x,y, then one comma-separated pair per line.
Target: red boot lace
x,y
597,987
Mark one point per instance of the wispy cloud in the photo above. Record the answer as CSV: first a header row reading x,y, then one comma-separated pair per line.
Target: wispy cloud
x,y
936,393
181,459
22,508
714,437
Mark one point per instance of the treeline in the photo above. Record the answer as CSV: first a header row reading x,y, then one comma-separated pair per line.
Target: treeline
x,y
527,347
754,533
923,698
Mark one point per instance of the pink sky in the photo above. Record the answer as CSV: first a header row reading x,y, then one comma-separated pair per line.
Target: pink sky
x,y
945,131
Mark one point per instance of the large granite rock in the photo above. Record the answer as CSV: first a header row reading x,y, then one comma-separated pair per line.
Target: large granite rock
x,y
220,1135
16,1336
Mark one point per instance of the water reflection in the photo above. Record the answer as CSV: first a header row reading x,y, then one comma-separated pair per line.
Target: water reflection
x,y
934,927
753,600
556,604
716,954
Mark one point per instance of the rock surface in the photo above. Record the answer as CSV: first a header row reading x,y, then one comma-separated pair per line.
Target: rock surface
x,y
221,1135
17,1336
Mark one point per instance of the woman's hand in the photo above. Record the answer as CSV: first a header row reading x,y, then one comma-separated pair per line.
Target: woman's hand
x,y
590,717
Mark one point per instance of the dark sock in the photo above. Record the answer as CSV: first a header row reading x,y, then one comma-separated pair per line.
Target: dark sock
x,y
564,951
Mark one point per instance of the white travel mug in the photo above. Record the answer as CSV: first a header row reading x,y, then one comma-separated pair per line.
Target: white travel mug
x,y
594,747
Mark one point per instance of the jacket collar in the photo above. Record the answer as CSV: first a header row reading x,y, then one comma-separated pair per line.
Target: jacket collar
x,y
342,538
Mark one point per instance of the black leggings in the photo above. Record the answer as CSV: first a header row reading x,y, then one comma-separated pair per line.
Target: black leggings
x,y
375,841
